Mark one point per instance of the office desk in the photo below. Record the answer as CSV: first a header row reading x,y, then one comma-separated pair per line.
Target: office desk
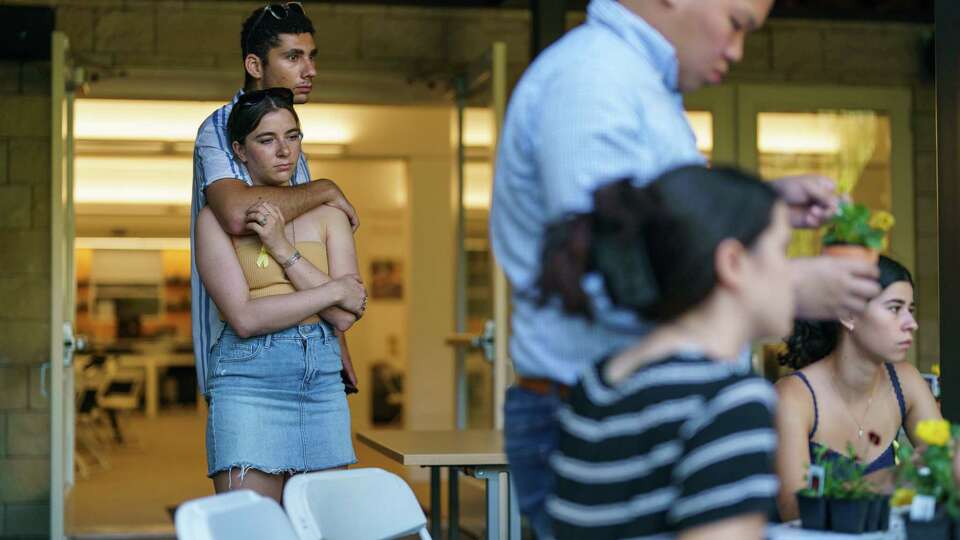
x,y
478,453
151,364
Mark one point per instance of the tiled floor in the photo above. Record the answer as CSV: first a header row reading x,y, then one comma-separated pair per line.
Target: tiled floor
x,y
168,466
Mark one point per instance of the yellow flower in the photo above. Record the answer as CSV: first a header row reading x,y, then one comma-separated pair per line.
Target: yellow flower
x,y
934,432
882,220
935,369
902,497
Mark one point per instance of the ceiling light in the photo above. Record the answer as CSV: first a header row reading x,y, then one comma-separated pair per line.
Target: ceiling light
x,y
132,243
317,150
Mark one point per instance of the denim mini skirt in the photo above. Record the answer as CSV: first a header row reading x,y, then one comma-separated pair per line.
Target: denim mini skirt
x,y
277,403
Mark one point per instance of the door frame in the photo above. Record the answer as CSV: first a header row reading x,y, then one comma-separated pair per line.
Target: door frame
x,y
502,367
62,282
721,103
490,71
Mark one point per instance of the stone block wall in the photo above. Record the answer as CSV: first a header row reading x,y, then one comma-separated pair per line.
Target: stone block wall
x,y
120,37
25,290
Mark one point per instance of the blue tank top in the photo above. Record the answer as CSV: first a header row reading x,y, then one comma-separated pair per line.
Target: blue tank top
x,y
885,460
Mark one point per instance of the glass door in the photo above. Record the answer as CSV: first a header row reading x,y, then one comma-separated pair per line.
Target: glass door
x,y
483,369
860,137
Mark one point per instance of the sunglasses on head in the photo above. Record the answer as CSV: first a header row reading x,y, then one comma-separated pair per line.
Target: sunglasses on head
x,y
249,99
278,11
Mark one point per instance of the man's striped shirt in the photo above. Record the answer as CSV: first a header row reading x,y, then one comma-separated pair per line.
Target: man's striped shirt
x,y
680,443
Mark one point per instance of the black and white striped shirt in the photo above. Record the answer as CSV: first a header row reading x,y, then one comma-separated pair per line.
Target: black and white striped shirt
x,y
682,442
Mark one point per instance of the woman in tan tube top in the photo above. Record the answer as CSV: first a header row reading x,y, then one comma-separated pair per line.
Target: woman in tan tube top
x,y
277,402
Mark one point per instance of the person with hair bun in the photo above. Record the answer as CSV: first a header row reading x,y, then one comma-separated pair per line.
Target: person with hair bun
x,y
670,436
851,386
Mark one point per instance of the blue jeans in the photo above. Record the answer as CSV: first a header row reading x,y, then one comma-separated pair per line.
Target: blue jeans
x,y
530,435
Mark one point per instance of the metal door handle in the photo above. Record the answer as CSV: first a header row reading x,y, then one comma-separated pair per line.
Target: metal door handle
x,y
483,341
43,379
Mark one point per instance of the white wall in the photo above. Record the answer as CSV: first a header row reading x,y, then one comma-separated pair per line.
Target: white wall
x,y
378,190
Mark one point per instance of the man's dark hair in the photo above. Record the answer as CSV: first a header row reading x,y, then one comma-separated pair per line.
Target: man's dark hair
x,y
261,31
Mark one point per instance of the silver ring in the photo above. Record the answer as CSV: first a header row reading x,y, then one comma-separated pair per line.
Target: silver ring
x,y
262,221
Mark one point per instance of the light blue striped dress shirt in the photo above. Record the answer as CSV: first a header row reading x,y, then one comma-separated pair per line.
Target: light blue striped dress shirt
x,y
213,160
599,105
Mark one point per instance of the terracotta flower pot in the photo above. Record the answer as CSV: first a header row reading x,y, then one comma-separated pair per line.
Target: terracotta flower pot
x,y
847,251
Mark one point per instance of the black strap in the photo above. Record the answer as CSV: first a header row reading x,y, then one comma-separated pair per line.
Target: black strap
x,y
895,381
816,412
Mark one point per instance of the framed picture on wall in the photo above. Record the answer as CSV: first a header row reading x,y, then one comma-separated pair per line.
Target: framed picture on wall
x,y
386,279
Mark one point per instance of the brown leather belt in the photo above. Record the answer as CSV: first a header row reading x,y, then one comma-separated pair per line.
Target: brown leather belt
x,y
544,387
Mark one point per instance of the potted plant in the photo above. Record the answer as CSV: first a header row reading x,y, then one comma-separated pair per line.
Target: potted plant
x,y
810,501
856,232
928,471
848,495
878,513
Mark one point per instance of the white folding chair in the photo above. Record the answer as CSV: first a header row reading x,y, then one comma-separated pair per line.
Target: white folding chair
x,y
119,396
237,515
357,504
90,437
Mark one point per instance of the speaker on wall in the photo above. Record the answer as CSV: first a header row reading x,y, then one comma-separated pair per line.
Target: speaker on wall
x,y
25,32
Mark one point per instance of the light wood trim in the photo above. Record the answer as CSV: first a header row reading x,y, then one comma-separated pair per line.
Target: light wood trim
x,y
438,448
501,289
58,268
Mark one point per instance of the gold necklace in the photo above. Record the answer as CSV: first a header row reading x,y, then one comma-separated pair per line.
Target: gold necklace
x,y
847,407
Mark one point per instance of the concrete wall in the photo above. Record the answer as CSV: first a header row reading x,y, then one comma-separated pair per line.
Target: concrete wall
x,y
25,289
412,50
